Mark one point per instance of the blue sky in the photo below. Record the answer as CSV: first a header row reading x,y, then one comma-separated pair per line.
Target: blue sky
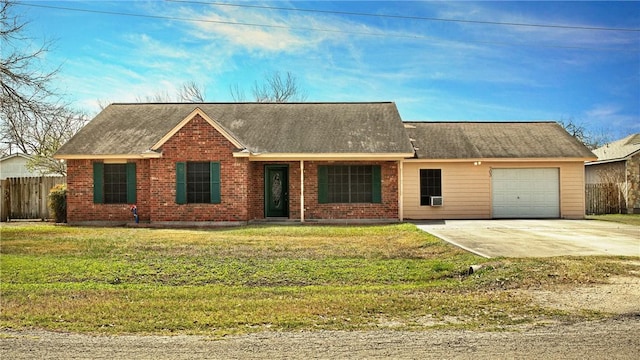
x,y
432,69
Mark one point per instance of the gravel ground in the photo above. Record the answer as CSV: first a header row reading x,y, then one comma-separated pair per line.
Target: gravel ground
x,y
614,338
611,339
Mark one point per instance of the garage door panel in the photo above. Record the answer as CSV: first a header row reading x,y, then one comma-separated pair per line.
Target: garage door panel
x,y
526,193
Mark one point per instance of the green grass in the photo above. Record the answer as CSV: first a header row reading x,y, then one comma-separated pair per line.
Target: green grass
x,y
631,219
124,280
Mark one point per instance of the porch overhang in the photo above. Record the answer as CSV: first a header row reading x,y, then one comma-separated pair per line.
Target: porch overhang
x,y
323,156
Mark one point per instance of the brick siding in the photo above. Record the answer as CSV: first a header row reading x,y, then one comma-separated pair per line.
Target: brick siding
x,y
242,186
388,209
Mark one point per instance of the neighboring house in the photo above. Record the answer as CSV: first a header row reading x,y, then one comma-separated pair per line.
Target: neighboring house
x,y
218,163
15,165
230,163
619,163
483,170
23,193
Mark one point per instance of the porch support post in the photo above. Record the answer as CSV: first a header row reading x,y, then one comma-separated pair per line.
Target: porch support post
x,y
301,191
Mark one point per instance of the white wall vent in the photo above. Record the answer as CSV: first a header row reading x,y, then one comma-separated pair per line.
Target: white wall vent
x,y
436,200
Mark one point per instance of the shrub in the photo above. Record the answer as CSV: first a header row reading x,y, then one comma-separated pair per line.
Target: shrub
x,y
58,202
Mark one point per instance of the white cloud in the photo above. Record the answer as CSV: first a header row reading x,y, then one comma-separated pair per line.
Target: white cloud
x,y
256,30
533,35
612,119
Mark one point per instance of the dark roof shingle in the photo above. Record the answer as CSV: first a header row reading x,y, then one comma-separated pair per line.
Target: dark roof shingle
x,y
262,127
494,140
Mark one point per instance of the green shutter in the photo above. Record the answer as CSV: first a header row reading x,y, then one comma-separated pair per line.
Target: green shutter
x,y
131,183
376,185
181,183
215,182
323,184
98,183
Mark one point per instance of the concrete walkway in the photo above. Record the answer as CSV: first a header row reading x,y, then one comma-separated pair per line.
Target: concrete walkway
x,y
538,238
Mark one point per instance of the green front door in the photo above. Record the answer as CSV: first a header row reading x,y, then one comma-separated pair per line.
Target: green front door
x,y
276,191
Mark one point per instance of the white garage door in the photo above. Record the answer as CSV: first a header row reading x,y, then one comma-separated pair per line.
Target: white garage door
x,y
525,193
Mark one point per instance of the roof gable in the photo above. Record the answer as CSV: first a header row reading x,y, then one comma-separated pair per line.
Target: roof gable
x,y
20,155
619,150
494,140
187,119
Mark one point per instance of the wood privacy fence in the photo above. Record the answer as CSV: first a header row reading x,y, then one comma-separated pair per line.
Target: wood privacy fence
x,y
27,197
604,199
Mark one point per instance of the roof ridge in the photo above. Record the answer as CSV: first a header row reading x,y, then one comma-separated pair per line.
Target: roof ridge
x,y
633,139
480,122
256,103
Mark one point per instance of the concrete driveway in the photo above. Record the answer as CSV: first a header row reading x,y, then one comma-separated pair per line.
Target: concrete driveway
x,y
538,238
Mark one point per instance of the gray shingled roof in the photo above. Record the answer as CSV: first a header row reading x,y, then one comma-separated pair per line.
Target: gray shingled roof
x,y
619,150
262,127
488,140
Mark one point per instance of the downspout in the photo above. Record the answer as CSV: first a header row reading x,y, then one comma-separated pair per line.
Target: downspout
x,y
301,191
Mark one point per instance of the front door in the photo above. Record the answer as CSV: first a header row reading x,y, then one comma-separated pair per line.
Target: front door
x,y
276,191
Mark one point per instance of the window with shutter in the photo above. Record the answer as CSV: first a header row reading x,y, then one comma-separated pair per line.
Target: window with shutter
x,y
114,183
198,183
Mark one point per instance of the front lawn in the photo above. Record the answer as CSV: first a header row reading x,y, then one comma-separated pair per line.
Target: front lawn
x,y
238,280
630,219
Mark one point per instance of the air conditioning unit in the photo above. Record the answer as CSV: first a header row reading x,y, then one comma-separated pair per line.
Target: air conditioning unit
x,y
436,200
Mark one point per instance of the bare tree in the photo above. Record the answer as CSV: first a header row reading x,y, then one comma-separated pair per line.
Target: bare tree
x,y
580,132
237,93
189,92
614,189
276,88
33,117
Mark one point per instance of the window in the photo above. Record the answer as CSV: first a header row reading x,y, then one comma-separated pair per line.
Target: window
x,y
198,182
114,183
349,184
430,185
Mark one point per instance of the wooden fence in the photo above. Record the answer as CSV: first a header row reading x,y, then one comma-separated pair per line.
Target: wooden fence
x,y
604,199
26,197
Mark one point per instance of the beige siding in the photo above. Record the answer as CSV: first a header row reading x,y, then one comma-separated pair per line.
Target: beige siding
x,y
572,191
466,188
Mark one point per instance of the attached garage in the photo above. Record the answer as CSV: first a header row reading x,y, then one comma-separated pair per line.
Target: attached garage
x,y
493,170
525,193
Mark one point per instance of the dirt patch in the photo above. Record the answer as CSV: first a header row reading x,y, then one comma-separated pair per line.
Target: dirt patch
x,y
620,296
615,337
609,339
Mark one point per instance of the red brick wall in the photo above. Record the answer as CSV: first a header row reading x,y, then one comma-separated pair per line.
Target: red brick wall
x,y
80,206
242,186
199,141
388,209
156,182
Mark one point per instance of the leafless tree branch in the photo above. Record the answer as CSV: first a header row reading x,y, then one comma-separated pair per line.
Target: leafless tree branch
x,y
33,117
275,88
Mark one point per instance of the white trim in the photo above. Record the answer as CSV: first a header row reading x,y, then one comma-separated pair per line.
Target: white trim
x,y
24,156
146,155
329,156
241,154
114,161
215,124
496,160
